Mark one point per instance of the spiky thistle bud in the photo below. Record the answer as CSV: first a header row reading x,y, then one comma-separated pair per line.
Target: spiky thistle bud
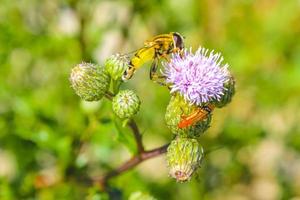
x,y
89,81
126,104
184,157
140,196
176,109
115,65
228,94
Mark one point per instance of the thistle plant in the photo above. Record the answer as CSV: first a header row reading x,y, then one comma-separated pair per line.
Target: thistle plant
x,y
126,104
200,78
115,66
178,107
89,81
197,82
184,157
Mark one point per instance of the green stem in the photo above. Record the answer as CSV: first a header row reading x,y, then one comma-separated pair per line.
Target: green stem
x,y
109,95
116,86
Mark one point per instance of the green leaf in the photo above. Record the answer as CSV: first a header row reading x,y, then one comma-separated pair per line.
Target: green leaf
x,y
124,135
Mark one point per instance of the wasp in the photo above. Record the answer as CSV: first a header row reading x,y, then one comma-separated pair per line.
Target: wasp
x,y
199,114
159,46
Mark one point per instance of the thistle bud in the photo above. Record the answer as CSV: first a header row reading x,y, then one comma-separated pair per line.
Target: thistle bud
x,y
184,157
89,81
140,196
126,104
177,108
228,94
116,65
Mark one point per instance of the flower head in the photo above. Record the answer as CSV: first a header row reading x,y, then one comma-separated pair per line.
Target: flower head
x,y
184,156
115,65
126,104
199,77
89,81
177,108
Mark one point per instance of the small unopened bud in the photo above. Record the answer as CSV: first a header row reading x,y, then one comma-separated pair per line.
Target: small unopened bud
x,y
140,196
184,157
89,81
176,110
126,104
228,94
115,65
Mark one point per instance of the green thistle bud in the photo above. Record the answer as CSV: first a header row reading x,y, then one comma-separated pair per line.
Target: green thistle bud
x,y
177,108
116,65
140,196
228,94
184,157
125,104
89,81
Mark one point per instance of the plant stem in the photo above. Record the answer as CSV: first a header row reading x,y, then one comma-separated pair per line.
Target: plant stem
x,y
109,95
134,161
141,155
137,136
132,124
116,86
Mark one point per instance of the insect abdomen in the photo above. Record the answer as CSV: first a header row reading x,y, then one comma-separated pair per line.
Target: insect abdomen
x,y
142,56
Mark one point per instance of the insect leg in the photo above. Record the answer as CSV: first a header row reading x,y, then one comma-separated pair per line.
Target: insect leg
x,y
180,51
165,56
153,73
153,69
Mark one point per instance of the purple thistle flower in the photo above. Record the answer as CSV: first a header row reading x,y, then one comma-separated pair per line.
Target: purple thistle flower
x,y
198,77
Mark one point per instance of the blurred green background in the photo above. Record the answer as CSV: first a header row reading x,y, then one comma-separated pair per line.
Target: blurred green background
x,y
42,121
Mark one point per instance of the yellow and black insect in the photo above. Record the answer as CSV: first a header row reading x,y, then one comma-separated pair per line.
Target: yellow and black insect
x,y
157,47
